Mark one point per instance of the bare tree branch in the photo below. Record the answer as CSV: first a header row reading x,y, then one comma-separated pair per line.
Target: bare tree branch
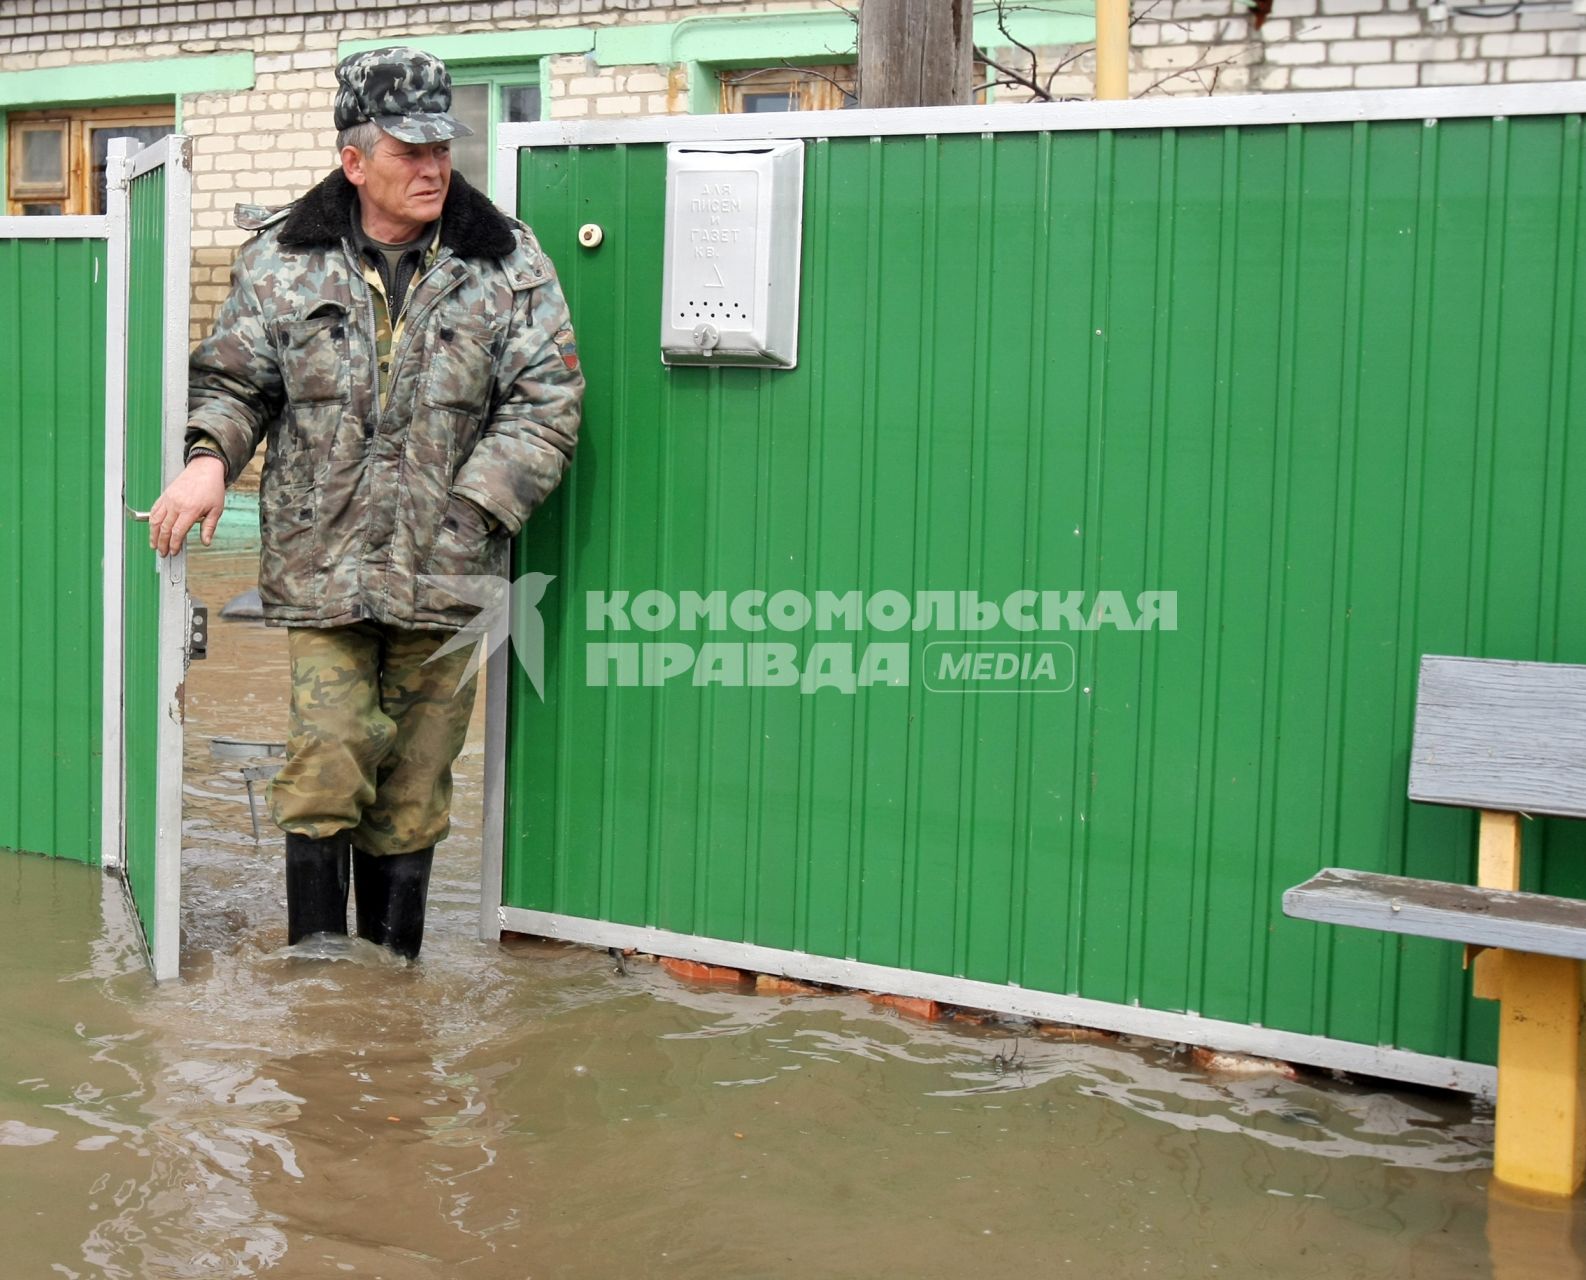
x,y
820,75
1040,80
1064,63
998,84
1015,79
783,66
853,16
1194,69
751,73
1002,26
1012,77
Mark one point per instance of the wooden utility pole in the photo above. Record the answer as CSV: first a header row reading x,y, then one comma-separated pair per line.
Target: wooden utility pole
x,y
915,53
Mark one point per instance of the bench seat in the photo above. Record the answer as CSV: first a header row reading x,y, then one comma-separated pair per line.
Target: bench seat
x,y
1533,922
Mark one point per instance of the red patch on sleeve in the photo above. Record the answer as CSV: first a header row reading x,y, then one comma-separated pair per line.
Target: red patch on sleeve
x,y
568,346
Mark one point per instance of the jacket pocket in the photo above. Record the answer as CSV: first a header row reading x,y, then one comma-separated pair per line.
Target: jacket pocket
x,y
463,543
462,365
289,551
314,356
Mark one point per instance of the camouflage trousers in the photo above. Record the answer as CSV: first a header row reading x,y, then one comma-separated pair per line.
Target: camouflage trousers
x,y
375,728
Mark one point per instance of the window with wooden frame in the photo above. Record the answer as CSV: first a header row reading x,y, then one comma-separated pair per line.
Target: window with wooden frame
x,y
483,97
750,89
56,159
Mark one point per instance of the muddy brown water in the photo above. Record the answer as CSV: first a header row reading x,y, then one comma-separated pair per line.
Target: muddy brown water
x,y
528,1110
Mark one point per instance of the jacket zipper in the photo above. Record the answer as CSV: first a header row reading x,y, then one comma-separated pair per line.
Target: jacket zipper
x,y
407,336
413,325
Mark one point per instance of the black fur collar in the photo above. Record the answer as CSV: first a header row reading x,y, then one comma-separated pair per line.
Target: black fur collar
x,y
471,227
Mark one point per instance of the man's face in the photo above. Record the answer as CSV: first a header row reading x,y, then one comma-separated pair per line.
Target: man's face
x,y
403,184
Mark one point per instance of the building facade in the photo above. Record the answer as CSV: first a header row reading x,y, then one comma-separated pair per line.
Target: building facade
x,y
252,81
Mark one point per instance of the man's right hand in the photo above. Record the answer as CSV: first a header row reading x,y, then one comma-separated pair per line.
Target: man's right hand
x,y
198,494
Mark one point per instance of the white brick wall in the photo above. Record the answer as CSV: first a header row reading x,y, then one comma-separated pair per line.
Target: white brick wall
x,y
270,143
1358,51
1360,44
1321,78
1387,24
1454,73
35,26
1393,75
580,88
1325,29
1539,68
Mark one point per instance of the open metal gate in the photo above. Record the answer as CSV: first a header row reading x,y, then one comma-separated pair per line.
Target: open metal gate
x,y
147,612
1303,364
93,630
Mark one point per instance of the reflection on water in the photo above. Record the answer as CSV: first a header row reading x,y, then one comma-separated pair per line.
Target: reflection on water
x,y
530,1110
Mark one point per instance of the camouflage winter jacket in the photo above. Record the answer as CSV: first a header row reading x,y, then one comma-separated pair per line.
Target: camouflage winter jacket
x,y
358,503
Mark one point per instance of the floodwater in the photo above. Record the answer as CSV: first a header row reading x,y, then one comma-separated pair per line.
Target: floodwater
x,y
531,1110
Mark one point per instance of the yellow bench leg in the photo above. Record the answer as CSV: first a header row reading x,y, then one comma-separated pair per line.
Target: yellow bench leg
x,y
1541,1142
1497,867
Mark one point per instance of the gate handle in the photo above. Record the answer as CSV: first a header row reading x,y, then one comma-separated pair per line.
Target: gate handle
x,y
143,517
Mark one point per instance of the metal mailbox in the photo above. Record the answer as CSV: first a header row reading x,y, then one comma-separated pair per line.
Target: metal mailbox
x,y
733,224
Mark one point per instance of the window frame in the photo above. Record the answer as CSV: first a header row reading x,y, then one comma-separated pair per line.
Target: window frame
x,y
472,57
46,191
80,121
130,81
498,76
812,84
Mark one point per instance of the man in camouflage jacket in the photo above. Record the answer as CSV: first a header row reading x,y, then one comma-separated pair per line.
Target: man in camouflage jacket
x,y
405,350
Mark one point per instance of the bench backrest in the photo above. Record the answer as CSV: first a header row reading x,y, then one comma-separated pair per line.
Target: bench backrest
x,y
1493,734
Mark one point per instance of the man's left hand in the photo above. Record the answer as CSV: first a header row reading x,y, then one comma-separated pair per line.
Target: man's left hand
x,y
199,493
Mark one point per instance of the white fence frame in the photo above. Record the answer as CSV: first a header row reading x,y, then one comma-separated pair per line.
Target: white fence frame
x,y
73,226
174,154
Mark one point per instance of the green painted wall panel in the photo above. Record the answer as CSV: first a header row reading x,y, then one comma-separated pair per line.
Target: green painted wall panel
x,y
1318,380
52,334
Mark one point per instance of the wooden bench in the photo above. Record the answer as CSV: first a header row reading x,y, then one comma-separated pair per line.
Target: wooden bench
x,y
1509,739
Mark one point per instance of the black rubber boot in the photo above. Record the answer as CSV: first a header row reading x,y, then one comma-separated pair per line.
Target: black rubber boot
x,y
316,885
391,893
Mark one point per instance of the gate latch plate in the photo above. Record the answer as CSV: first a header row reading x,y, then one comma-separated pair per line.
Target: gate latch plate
x,y
198,631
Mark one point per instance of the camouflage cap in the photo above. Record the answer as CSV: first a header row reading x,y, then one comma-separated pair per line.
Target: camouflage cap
x,y
405,91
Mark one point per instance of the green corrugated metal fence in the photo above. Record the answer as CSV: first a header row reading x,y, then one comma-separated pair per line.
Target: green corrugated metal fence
x,y
1319,380
52,378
